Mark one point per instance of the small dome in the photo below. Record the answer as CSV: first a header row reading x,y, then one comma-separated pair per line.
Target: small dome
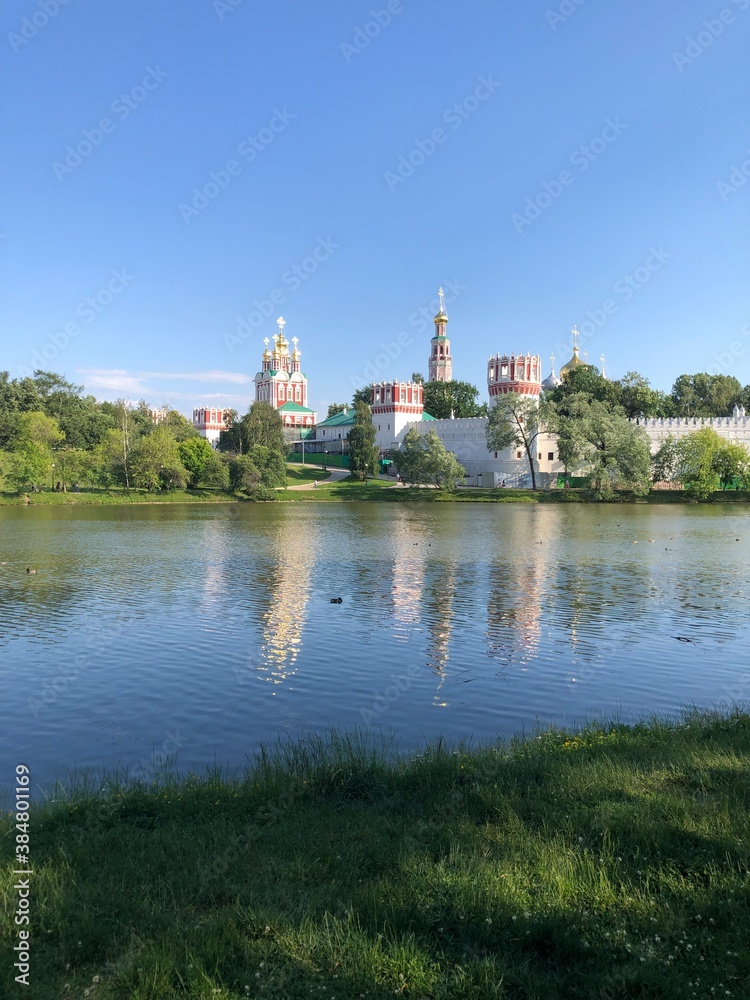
x,y
440,318
551,382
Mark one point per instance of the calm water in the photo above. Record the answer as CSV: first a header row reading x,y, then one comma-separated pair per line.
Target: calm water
x,y
209,629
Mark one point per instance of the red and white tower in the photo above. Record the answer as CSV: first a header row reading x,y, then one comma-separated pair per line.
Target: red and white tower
x,y
281,383
514,373
395,404
441,362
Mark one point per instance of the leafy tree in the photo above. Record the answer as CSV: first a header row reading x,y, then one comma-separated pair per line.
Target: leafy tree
x,y
516,421
417,377
599,441
216,472
732,463
270,463
182,428
195,454
424,460
584,378
696,462
335,408
244,474
362,451
443,398
155,461
37,428
637,398
262,424
30,465
363,395
664,462
705,395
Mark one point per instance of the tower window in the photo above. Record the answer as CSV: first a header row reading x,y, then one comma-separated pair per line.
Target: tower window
x,y
518,454
550,456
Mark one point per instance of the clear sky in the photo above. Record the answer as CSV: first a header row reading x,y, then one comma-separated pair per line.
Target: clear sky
x,y
554,157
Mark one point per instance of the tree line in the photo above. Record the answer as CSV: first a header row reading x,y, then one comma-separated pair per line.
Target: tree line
x,y
598,441
54,437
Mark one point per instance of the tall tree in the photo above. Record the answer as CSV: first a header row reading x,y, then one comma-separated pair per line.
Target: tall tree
x,y
363,454
441,399
637,398
516,421
262,424
588,379
363,395
600,442
705,395
417,377
195,454
424,460
155,461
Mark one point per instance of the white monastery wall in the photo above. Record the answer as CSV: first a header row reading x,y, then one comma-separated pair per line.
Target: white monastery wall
x,y
735,428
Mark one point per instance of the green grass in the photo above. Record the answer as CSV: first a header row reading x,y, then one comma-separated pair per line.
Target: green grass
x,y
612,864
297,475
116,495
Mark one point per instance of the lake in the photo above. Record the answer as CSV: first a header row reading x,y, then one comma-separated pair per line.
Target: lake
x,y
200,631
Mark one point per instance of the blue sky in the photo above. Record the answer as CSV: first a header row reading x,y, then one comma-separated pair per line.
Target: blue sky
x,y
549,163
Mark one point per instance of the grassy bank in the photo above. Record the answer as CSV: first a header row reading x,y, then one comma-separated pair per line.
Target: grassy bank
x,y
115,496
350,489
610,864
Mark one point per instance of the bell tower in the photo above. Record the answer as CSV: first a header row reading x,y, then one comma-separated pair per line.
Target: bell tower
x,y
441,362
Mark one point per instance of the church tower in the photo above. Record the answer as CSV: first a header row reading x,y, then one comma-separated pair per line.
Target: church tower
x,y
281,382
441,362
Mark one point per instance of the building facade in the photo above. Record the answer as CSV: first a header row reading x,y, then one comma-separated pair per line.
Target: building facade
x,y
282,383
210,422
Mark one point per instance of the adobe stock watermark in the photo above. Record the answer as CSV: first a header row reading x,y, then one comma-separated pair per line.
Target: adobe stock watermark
x,y
224,7
389,352
364,35
293,278
725,360
122,107
563,13
151,766
712,29
87,310
739,175
31,26
454,116
624,289
382,702
582,158
248,149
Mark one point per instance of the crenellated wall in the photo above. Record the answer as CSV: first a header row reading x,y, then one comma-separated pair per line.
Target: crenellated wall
x,y
735,428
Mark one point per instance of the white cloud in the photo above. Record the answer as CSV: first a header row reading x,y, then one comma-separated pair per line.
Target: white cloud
x,y
112,379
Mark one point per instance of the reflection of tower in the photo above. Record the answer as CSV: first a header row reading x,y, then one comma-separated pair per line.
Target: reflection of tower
x,y
284,618
441,362
439,598
514,606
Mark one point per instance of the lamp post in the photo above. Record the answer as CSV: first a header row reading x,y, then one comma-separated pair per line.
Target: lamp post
x,y
53,477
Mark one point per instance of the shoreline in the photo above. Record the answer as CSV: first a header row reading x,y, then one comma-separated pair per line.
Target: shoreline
x,y
607,861
375,492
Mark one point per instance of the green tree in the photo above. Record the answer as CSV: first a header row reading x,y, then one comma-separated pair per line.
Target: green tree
x,y
598,441
363,395
244,474
696,462
334,408
664,462
30,465
424,460
271,465
637,398
417,377
155,461
182,428
516,421
262,424
587,379
705,395
195,454
363,454
441,399
732,463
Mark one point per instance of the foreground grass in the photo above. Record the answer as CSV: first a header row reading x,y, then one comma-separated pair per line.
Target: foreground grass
x,y
610,864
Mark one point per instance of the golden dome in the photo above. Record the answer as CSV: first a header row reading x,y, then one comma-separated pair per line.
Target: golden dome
x,y
575,362
440,318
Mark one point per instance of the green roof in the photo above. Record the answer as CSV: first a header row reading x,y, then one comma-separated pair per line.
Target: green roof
x,y
338,419
294,408
426,416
